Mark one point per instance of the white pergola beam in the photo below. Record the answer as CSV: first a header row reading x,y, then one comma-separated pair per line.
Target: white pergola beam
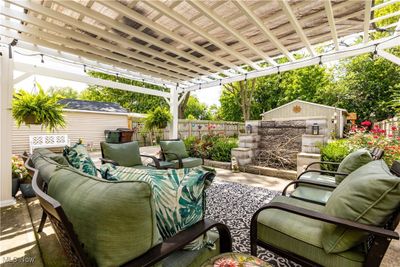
x,y
6,91
97,31
40,42
136,33
332,56
167,32
381,5
389,56
85,79
22,77
193,27
80,60
367,18
87,39
296,25
261,26
331,21
217,19
390,15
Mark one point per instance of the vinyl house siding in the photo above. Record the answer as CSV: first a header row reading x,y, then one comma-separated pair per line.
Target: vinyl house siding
x,y
89,126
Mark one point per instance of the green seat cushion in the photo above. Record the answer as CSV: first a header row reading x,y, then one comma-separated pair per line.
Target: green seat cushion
x,y
188,162
369,195
352,162
115,221
178,194
79,158
301,235
176,147
317,195
193,258
125,154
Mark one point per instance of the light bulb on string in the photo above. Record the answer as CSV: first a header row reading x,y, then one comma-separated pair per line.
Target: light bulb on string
x,y
42,58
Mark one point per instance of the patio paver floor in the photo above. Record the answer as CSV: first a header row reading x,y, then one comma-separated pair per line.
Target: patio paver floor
x,y
20,222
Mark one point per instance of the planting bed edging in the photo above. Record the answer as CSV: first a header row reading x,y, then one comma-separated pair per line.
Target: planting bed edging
x,y
285,174
217,164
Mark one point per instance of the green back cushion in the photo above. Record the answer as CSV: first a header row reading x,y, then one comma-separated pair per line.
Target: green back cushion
x,y
79,158
114,220
126,154
46,162
352,162
369,195
178,194
176,147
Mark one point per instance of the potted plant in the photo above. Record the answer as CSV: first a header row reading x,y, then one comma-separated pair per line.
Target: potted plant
x,y
157,119
15,173
22,175
40,108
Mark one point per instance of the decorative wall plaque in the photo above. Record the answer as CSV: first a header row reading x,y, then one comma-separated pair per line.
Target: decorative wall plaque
x,y
296,109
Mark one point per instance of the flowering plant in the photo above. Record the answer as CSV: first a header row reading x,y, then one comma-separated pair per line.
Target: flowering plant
x,y
19,170
360,137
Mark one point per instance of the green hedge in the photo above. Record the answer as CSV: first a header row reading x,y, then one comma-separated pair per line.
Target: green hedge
x,y
334,151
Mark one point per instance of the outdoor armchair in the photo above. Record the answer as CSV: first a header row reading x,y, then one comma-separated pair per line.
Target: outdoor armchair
x,y
125,154
174,151
127,234
353,229
320,194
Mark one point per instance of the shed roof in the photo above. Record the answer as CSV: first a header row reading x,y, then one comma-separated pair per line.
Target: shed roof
x,y
187,42
92,105
306,103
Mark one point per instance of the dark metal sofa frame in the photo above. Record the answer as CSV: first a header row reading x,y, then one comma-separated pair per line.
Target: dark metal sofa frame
x,y
180,162
104,160
377,242
74,249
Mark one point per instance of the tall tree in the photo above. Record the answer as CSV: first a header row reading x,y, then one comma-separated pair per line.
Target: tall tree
x,y
134,102
66,92
196,109
243,95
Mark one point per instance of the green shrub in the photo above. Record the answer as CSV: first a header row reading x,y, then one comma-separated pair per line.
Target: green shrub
x,y
334,151
221,149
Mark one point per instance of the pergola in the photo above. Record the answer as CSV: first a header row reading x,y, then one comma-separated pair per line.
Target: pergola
x,y
181,46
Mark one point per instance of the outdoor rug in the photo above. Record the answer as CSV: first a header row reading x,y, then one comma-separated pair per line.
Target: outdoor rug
x,y
234,204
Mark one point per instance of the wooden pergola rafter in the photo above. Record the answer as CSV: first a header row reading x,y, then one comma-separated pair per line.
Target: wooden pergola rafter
x,y
180,46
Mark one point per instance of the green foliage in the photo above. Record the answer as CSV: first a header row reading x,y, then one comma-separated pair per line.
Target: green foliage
x,y
334,151
221,149
215,147
65,92
42,108
195,110
157,119
134,102
230,108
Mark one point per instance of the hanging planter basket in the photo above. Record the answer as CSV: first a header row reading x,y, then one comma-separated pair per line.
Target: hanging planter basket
x,y
163,125
31,119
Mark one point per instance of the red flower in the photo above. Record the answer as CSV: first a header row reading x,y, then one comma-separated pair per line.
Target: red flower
x,y
390,135
376,126
394,128
376,137
366,123
370,143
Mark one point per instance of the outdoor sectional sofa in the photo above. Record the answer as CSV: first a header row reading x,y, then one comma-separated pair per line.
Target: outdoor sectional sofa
x,y
112,223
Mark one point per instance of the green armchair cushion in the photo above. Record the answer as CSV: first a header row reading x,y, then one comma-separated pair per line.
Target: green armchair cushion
x,y
301,235
369,195
178,194
316,176
352,162
114,220
188,162
79,158
177,147
46,165
318,195
125,154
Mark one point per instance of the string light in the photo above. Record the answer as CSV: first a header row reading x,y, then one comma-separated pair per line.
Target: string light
x,y
42,59
84,68
320,60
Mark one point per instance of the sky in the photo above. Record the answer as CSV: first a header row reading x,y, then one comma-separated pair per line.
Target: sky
x,y
208,96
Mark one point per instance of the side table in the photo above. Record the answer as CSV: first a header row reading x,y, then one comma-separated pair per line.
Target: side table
x,y
235,259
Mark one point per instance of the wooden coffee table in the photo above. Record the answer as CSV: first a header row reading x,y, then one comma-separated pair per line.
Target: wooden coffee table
x,y
235,259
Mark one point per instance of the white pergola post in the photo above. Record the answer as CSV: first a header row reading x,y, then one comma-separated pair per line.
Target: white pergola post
x,y
173,107
6,90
